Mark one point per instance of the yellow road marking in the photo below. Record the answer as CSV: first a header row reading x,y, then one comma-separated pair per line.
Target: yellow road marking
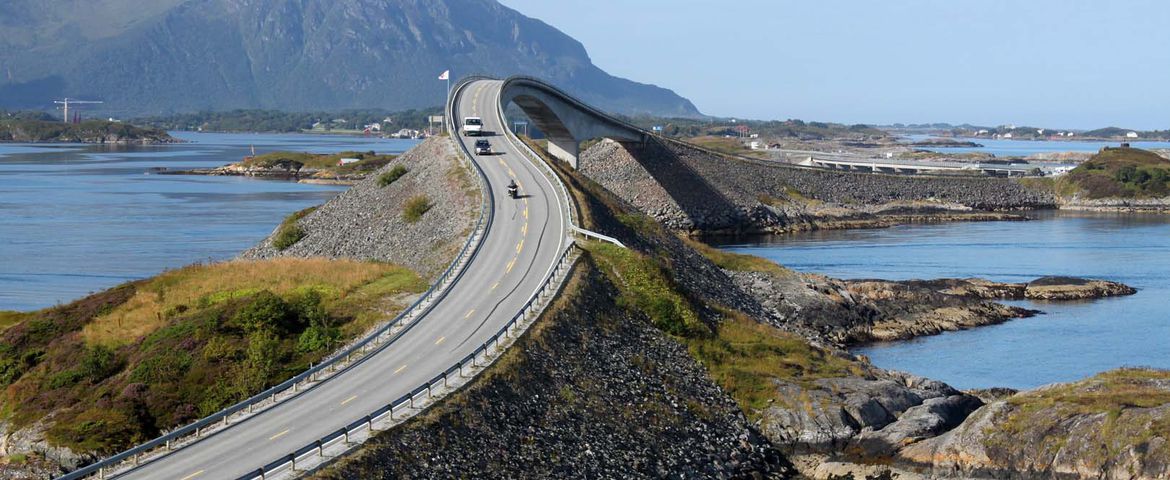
x,y
525,212
510,265
281,434
524,229
440,340
512,174
193,475
400,369
502,162
350,399
469,312
520,246
495,285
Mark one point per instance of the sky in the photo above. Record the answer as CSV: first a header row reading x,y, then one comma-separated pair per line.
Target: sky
x,y
1045,63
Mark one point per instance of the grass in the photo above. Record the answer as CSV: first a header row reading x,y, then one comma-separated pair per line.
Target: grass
x,y
289,232
178,291
123,365
1121,396
1119,173
743,356
295,161
415,208
391,176
737,262
727,146
8,318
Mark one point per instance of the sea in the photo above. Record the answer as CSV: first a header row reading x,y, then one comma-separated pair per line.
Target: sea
x,y
1023,148
76,219
1070,341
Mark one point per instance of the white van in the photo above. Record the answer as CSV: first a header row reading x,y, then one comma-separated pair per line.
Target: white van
x,y
472,126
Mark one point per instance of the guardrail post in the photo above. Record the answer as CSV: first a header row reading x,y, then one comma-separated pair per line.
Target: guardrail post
x,y
292,458
102,473
346,440
320,451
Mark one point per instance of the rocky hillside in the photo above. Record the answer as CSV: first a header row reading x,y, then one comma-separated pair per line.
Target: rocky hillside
x,y
370,222
292,55
1128,179
691,190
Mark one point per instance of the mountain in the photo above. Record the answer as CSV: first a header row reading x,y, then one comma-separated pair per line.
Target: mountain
x,y
169,56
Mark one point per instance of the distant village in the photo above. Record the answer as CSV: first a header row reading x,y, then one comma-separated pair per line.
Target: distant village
x,y
384,128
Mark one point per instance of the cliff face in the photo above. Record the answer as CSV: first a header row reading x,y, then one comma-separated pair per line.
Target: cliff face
x,y
293,55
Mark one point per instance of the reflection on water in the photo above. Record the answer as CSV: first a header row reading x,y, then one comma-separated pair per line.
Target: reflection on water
x,y
1072,341
80,218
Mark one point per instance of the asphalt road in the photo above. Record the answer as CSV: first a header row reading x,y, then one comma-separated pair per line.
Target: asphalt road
x,y
525,240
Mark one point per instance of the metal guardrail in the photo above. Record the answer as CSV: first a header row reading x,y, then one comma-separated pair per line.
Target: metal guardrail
x,y
481,357
336,363
532,308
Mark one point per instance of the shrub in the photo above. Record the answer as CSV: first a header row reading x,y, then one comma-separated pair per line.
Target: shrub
x,y
266,311
416,207
391,176
289,232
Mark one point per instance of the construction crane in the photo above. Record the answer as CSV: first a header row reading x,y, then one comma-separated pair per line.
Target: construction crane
x,y
66,102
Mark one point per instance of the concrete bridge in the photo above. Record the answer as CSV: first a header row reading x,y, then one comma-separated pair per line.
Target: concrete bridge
x,y
564,120
904,167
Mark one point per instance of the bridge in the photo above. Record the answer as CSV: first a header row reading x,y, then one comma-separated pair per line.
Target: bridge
x,y
512,264
907,167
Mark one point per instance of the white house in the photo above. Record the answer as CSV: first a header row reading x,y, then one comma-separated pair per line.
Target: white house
x,y
1131,135
347,161
1007,135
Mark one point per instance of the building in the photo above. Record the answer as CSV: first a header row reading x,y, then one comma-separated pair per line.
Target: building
x,y
347,161
1131,135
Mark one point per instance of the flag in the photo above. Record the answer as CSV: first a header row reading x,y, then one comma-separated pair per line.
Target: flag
x,y
446,75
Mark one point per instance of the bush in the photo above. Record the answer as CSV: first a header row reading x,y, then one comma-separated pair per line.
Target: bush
x,y
393,175
289,232
416,207
266,311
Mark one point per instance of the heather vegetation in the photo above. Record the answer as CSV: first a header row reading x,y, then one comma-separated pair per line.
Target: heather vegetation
x,y
365,163
1119,173
123,365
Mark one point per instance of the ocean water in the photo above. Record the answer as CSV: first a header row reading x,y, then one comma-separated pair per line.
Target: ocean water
x,y
1024,148
1070,341
76,219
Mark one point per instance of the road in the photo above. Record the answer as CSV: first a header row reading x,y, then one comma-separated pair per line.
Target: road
x,y
523,244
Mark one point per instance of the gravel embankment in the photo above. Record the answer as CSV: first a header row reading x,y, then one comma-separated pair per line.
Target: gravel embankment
x,y
366,222
689,189
593,391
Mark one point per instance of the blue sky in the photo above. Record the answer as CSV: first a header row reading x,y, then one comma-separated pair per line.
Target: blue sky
x,y
1058,64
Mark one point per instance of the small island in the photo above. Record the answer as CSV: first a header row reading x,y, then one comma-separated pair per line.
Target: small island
x,y
343,168
41,128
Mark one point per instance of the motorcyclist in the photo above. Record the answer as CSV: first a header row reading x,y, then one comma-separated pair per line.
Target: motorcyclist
x,y
513,190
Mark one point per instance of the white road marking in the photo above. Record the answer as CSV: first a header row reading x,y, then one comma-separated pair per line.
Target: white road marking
x,y
193,475
469,312
440,340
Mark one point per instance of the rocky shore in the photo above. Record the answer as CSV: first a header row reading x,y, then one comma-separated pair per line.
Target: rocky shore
x,y
1044,288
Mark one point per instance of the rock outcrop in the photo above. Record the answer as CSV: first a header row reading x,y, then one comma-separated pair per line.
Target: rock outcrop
x,y
1111,426
1045,288
366,223
850,312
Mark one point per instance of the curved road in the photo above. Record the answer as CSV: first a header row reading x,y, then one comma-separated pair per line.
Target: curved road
x,y
523,244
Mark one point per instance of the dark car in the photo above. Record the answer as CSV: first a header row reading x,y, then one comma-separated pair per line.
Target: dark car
x,y
483,147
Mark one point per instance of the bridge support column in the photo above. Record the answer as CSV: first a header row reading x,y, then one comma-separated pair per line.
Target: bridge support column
x,y
564,149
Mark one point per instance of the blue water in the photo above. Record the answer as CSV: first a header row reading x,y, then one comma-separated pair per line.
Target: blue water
x,y
80,218
1023,148
1071,341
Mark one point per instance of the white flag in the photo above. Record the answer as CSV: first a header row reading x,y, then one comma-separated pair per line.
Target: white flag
x,y
445,75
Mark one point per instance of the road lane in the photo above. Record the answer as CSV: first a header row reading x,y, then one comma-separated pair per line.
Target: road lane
x,y
526,239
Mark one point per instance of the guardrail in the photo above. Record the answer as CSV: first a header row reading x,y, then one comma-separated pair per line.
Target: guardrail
x,y
346,358
441,383
425,394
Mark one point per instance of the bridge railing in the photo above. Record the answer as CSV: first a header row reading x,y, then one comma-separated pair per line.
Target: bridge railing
x,y
435,388
441,384
344,359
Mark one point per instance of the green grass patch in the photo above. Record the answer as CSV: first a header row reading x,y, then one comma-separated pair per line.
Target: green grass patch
x,y
647,288
737,261
745,357
8,318
416,207
1119,173
122,366
391,176
329,163
289,232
